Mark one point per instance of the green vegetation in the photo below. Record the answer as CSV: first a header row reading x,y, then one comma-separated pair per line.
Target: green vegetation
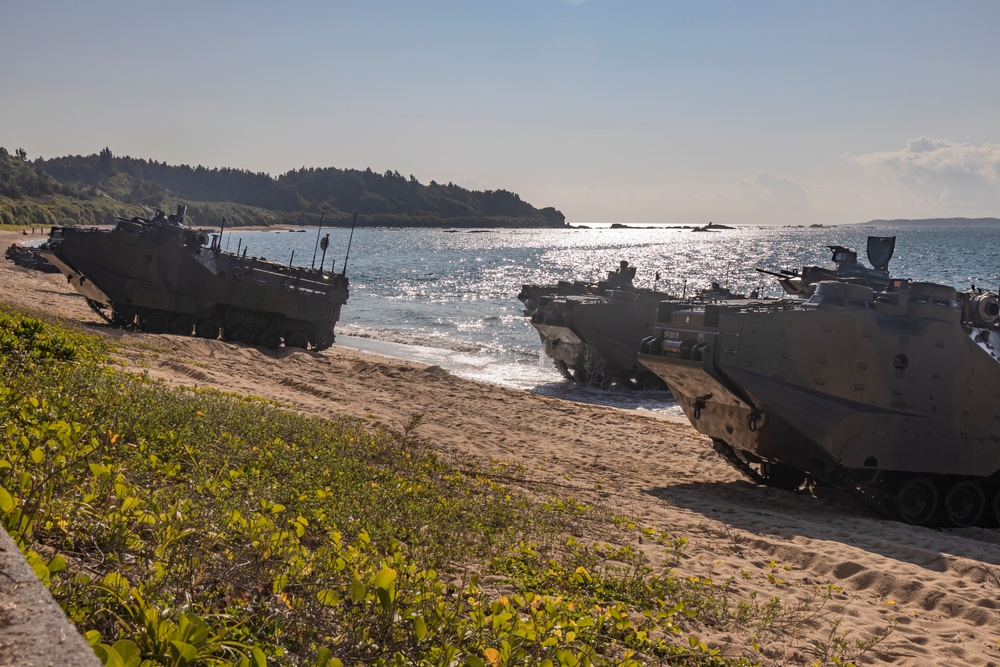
x,y
29,197
192,527
97,188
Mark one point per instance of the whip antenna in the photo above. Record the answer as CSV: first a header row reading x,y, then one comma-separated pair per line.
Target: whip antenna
x,y
317,237
349,239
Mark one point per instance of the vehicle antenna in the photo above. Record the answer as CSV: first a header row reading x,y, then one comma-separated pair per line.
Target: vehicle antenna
x,y
317,237
349,239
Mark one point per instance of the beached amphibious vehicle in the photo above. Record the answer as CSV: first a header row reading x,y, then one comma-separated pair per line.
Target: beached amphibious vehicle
x,y
591,330
163,277
891,394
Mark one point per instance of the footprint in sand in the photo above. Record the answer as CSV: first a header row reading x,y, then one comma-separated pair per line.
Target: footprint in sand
x,y
847,570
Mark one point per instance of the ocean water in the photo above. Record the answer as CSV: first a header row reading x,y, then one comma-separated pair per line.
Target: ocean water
x,y
448,297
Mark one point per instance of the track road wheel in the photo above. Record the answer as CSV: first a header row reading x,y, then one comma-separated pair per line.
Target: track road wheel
x,y
994,517
154,321
917,501
180,326
269,338
207,329
322,339
964,504
298,340
782,476
242,334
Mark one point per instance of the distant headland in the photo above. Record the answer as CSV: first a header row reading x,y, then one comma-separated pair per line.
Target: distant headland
x,y
97,188
965,222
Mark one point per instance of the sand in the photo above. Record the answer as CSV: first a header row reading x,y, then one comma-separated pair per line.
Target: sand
x,y
937,589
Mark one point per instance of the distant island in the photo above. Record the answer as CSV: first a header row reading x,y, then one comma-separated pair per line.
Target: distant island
x,y
710,227
97,188
966,222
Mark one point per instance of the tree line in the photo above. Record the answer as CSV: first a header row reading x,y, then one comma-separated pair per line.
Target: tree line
x,y
296,197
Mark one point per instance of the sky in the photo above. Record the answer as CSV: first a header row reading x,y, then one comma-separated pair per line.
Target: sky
x,y
645,112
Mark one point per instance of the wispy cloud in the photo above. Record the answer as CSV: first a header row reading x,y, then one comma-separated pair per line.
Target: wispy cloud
x,y
770,189
951,172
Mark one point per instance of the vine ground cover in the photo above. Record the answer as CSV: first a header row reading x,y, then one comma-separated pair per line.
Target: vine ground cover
x,y
185,527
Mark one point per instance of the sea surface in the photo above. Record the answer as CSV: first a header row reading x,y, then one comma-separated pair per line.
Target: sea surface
x,y
448,297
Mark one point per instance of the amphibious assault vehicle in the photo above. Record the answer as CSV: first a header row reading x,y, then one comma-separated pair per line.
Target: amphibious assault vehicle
x,y
890,394
163,277
592,331
619,279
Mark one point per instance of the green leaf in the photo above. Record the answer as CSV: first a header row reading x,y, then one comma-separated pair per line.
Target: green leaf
x,y
358,589
57,564
385,577
182,653
129,652
37,455
279,583
419,628
108,656
384,587
93,637
192,629
38,565
7,502
258,658
324,658
328,597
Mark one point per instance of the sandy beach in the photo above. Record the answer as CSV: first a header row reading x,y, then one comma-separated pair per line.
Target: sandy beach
x,y
938,590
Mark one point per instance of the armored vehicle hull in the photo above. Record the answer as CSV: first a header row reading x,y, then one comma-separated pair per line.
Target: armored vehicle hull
x,y
163,277
891,394
593,339
591,330
532,296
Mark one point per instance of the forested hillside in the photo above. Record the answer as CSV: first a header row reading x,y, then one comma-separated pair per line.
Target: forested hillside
x,y
89,187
